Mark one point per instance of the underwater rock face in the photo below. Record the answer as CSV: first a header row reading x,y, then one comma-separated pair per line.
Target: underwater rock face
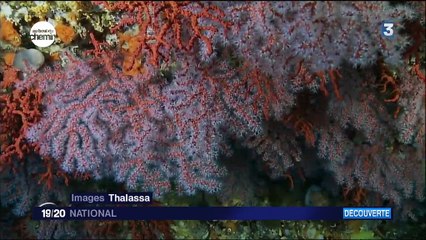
x,y
316,196
28,60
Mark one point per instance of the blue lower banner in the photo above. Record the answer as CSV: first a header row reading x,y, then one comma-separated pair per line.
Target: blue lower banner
x,y
209,213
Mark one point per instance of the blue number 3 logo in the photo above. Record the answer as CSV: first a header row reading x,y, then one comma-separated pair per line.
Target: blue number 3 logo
x,y
387,29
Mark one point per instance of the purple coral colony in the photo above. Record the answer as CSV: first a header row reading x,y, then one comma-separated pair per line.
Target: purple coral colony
x,y
226,103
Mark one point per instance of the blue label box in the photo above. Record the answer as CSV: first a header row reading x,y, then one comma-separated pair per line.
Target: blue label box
x,y
367,213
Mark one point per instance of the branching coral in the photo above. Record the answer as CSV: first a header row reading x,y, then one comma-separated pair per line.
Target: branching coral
x,y
161,26
20,110
157,112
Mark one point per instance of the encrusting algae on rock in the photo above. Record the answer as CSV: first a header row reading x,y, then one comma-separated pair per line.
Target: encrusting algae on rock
x,y
8,33
8,58
65,33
